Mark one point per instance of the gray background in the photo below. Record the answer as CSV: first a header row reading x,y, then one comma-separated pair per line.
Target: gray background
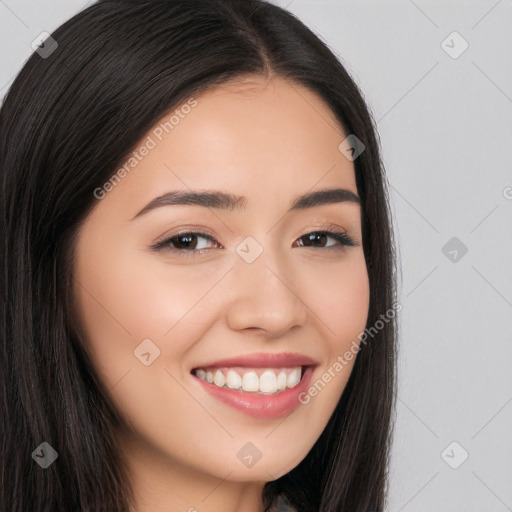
x,y
445,125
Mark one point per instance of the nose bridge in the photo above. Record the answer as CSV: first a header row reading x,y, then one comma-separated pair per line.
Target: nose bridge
x,y
265,294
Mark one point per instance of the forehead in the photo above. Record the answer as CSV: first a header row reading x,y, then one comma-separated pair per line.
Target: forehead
x,y
253,137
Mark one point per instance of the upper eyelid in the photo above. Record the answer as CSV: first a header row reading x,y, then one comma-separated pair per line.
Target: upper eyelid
x,y
323,225
192,231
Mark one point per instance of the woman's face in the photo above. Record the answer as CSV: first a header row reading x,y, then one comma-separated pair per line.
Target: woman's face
x,y
156,300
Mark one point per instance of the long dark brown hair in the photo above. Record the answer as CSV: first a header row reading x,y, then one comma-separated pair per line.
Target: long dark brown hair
x,y
67,123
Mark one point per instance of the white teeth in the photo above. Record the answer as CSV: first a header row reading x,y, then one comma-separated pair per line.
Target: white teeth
x,y
293,378
250,382
269,381
219,379
233,380
281,381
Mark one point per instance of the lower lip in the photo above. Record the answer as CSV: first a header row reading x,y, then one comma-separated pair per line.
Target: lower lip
x,y
261,406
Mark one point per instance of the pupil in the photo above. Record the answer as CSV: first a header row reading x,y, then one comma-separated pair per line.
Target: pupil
x,y
312,237
187,243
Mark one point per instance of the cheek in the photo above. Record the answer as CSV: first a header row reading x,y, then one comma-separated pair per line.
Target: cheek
x,y
341,311
340,296
123,301
153,297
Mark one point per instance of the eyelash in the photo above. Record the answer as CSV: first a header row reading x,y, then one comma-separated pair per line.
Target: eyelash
x,y
340,236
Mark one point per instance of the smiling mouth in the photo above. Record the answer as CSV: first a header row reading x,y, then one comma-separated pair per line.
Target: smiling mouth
x,y
263,381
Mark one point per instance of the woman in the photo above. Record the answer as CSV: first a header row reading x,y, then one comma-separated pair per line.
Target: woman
x,y
143,372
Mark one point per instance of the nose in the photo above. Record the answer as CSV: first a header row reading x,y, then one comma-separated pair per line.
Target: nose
x,y
264,295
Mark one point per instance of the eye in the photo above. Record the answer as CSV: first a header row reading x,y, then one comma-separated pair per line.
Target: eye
x,y
183,243
186,244
340,237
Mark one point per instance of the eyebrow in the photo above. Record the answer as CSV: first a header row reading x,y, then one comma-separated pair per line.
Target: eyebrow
x,y
225,201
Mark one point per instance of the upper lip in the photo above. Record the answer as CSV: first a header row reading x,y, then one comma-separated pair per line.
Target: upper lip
x,y
264,360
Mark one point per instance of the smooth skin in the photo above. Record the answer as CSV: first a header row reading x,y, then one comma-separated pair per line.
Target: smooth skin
x,y
269,140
